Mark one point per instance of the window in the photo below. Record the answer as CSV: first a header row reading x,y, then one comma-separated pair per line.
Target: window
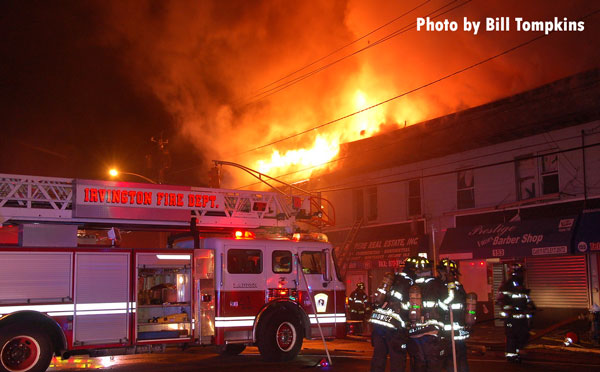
x,y
526,178
359,205
282,262
550,174
465,194
530,182
414,197
313,262
372,204
244,261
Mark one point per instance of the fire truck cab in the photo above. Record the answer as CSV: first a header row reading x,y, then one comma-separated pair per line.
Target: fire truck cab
x,y
62,293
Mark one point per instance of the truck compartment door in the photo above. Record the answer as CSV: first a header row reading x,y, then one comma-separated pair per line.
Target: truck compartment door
x,y
204,281
101,298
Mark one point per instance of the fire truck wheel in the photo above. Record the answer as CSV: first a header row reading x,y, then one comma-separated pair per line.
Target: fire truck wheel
x,y
24,350
281,338
231,349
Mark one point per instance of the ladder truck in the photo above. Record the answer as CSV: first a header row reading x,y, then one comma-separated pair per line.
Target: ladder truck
x,y
110,268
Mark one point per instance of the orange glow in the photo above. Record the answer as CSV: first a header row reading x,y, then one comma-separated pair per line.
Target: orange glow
x,y
326,145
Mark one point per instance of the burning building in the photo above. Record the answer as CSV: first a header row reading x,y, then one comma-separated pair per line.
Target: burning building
x,y
512,180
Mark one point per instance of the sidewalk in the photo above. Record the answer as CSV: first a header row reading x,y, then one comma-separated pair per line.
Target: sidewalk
x,y
487,339
550,346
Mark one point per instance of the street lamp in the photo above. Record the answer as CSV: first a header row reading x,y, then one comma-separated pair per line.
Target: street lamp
x,y
114,173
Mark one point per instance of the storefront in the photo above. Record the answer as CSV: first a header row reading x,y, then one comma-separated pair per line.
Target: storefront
x,y
557,278
587,243
376,250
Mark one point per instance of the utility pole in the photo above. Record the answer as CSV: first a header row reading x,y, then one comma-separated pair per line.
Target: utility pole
x,y
162,160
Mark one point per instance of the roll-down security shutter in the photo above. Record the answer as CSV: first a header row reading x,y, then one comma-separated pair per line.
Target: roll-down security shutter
x,y
558,282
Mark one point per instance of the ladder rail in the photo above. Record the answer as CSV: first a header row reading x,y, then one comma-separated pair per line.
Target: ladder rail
x,y
346,247
52,199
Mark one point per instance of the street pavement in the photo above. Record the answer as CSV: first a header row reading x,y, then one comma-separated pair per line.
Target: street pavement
x,y
349,354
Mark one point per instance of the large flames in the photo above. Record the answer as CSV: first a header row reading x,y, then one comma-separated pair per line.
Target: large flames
x,y
366,122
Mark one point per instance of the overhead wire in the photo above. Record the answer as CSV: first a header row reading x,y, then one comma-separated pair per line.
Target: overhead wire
x,y
444,173
343,47
481,62
400,31
393,143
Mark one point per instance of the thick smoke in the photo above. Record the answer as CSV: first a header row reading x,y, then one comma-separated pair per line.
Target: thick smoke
x,y
207,60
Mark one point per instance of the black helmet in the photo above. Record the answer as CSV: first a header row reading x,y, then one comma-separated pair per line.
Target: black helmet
x,y
450,265
423,264
360,285
516,269
410,265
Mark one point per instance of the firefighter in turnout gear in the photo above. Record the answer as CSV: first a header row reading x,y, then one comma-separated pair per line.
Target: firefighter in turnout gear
x,y
358,303
425,347
454,315
517,310
389,319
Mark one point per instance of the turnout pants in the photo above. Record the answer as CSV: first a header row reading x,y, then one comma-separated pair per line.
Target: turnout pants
x,y
426,353
387,341
517,335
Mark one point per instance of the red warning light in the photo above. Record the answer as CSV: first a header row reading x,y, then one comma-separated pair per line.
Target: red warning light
x,y
244,234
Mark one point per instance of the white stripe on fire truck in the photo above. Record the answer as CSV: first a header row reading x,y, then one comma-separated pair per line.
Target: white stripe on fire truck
x,y
69,309
103,306
327,318
248,321
41,308
234,321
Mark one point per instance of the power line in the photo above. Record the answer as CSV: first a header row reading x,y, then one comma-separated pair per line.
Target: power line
x,y
412,90
379,148
400,31
464,169
343,47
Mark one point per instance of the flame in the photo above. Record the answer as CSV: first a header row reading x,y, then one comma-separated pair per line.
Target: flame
x,y
322,151
326,146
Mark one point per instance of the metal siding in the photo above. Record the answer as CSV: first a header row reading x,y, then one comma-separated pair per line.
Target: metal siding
x,y
558,282
35,276
498,278
101,279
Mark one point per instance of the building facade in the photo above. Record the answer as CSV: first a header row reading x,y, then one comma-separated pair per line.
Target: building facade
x,y
513,180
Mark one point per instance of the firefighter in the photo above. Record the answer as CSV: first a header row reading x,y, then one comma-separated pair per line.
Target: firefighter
x,y
425,347
517,310
358,303
456,303
389,319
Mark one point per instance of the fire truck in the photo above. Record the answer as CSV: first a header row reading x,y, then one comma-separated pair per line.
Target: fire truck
x,y
110,268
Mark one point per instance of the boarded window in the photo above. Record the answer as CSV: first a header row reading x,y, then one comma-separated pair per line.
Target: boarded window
x,y
359,204
465,195
414,197
526,178
550,174
372,206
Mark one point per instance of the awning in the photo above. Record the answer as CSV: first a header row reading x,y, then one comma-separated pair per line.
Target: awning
x,y
543,237
379,246
587,236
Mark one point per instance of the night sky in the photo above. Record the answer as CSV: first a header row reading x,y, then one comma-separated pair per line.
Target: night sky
x,y
85,85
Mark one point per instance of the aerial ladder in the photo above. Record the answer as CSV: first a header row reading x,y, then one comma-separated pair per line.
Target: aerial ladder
x,y
307,207
345,250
